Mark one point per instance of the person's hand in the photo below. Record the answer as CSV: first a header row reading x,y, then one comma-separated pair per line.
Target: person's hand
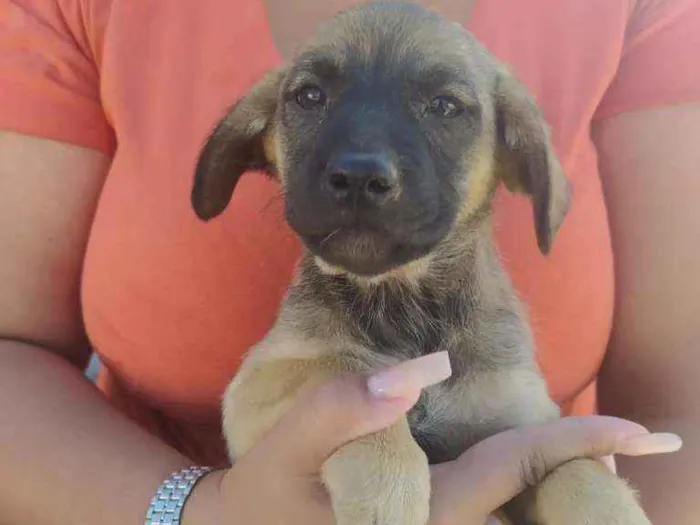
x,y
468,490
278,481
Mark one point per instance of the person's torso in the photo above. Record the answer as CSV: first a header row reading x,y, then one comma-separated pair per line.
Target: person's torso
x,y
171,304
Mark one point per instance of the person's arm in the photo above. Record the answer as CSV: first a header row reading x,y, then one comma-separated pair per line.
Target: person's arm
x,y
650,165
66,455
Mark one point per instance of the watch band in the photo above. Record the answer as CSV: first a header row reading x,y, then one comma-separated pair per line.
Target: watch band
x,y
166,505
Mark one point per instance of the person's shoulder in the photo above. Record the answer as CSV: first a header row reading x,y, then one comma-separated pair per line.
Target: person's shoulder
x,y
658,62
49,86
649,16
652,8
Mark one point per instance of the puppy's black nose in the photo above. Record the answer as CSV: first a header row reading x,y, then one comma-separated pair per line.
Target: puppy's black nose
x,y
370,177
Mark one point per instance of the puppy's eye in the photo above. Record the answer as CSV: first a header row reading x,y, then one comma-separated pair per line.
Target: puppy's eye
x,y
445,107
311,97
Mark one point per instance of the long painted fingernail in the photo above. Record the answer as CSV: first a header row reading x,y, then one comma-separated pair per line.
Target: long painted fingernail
x,y
644,444
410,377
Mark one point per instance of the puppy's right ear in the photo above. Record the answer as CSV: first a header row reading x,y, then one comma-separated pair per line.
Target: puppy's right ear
x,y
527,161
240,142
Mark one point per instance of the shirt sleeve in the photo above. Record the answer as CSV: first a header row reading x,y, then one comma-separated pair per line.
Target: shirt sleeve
x,y
660,61
49,81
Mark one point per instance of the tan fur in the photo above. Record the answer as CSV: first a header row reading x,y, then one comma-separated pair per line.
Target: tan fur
x,y
383,479
389,463
583,491
482,183
271,148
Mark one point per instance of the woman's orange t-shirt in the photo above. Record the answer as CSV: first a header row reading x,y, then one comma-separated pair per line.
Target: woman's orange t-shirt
x,y
171,304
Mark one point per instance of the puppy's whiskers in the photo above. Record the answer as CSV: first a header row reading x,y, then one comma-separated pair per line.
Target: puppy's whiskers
x,y
279,196
329,237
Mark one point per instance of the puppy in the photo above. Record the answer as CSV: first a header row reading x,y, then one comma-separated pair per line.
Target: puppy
x,y
389,134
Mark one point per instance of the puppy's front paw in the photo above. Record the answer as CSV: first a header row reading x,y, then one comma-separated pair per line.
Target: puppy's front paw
x,y
374,482
584,492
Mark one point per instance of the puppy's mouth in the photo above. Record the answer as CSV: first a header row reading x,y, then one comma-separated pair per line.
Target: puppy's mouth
x,y
363,252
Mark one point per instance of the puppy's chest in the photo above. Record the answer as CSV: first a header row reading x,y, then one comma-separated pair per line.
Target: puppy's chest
x,y
452,416
448,417
409,325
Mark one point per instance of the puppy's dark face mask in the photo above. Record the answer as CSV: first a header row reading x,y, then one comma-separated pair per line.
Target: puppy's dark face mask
x,y
390,128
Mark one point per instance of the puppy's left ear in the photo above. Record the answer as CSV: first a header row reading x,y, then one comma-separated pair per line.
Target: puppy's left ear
x,y
241,141
526,161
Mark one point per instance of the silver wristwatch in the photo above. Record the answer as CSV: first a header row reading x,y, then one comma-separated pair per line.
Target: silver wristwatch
x,y
166,505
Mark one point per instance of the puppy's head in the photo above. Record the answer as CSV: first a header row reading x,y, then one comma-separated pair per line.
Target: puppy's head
x,y
388,129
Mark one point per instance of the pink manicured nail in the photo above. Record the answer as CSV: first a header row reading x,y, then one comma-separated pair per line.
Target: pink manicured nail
x,y
410,377
659,443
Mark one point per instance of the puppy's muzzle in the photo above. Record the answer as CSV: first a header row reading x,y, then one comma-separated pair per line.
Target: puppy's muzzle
x,y
361,179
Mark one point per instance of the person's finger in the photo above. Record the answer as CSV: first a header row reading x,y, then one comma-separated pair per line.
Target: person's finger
x,y
346,408
502,466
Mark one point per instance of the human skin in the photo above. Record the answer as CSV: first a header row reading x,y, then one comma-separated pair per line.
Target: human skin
x,y
48,411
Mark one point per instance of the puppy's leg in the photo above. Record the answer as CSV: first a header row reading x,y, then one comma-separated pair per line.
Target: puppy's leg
x,y
580,492
585,492
264,390
380,479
